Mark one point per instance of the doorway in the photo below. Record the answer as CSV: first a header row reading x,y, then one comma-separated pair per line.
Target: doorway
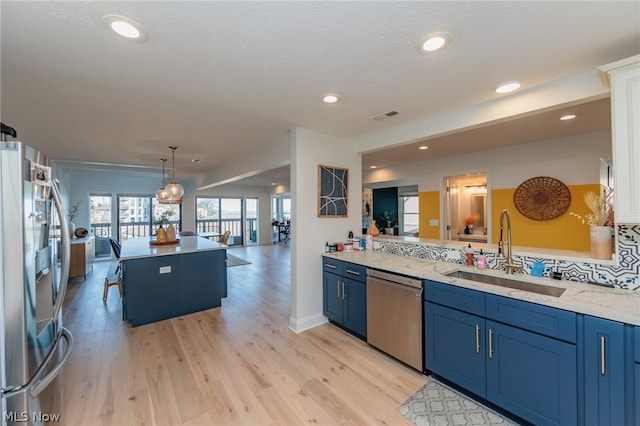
x,y
466,217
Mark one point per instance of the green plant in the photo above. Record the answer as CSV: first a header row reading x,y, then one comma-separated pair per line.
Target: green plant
x,y
164,218
387,218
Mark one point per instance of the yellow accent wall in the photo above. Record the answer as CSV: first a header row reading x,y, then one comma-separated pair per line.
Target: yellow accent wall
x,y
429,208
565,232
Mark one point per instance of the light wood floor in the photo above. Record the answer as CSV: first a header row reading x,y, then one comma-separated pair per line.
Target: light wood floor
x,y
238,364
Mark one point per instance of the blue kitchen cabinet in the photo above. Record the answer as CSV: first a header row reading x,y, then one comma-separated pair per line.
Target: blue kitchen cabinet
x,y
531,375
344,295
332,296
518,355
163,287
637,374
455,346
355,306
604,363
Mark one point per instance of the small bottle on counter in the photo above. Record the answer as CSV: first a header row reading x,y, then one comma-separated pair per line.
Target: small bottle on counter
x,y
469,253
481,262
369,243
326,247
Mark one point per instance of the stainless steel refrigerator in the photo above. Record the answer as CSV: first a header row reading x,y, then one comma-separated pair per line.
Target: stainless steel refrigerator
x,y
35,252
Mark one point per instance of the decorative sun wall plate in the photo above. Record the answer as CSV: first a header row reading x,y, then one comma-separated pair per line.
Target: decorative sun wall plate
x,y
542,198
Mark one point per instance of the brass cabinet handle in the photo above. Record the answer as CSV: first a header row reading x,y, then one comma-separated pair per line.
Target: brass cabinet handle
x,y
328,265
352,272
342,290
490,344
477,339
603,370
338,282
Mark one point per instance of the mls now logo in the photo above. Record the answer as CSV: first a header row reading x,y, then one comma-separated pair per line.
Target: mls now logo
x,y
23,417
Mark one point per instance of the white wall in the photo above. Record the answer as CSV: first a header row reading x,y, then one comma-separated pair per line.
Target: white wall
x,y
573,160
78,185
308,150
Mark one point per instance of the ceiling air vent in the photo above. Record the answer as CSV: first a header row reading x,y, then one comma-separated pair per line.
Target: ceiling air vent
x,y
386,115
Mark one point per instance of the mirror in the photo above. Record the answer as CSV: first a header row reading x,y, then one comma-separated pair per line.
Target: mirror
x,y
466,208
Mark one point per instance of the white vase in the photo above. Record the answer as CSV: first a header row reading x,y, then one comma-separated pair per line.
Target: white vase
x,y
72,228
601,246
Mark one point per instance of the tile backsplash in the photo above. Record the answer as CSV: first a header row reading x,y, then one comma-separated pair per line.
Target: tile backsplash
x,y
624,275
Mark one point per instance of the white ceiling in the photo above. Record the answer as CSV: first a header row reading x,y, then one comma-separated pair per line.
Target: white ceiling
x,y
222,79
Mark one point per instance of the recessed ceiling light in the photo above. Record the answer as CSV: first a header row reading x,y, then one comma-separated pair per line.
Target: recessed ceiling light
x,y
330,99
124,28
423,147
433,43
507,87
195,160
373,167
568,117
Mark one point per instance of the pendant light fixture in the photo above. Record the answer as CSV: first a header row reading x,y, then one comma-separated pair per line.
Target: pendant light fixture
x,y
174,189
161,194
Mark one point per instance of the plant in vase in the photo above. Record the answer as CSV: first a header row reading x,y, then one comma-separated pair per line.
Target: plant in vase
x,y
387,220
600,221
468,223
162,220
72,213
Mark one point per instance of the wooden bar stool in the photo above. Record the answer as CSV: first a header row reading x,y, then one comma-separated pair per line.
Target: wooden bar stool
x,y
114,279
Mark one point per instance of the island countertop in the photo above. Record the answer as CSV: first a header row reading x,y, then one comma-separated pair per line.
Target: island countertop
x,y
604,302
136,248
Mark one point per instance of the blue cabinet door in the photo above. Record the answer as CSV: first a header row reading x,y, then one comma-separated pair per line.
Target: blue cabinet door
x,y
455,346
532,376
604,372
637,394
355,306
332,297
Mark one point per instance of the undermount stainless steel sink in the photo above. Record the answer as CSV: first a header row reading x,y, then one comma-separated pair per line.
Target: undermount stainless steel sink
x,y
507,282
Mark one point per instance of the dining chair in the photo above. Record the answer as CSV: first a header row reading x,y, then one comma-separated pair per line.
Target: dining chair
x,y
117,248
225,238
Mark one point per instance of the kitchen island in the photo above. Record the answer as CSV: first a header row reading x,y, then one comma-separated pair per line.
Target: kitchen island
x,y
161,282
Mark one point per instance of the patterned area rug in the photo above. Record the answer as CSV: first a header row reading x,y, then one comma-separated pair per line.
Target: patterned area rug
x,y
235,261
435,404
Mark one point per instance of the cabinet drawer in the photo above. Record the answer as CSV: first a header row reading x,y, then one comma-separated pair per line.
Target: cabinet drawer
x,y
355,272
455,297
332,265
529,316
637,343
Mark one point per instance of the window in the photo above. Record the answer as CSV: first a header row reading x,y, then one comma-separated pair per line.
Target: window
x,y
101,223
220,215
251,213
136,216
409,214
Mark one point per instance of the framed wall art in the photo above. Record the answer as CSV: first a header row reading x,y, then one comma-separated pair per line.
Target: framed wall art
x,y
333,191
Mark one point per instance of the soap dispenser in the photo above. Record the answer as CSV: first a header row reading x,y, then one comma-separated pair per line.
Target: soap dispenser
x,y
469,253
482,260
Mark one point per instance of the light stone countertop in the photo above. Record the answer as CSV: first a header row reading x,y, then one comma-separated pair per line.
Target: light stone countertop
x,y
136,248
590,299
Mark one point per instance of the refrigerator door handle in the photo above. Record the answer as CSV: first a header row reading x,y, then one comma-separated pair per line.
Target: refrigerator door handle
x,y
65,250
44,382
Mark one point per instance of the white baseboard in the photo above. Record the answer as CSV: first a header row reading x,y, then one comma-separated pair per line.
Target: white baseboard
x,y
300,325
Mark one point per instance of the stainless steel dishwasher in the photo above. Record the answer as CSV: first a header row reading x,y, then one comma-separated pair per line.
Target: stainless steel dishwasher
x,y
394,316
